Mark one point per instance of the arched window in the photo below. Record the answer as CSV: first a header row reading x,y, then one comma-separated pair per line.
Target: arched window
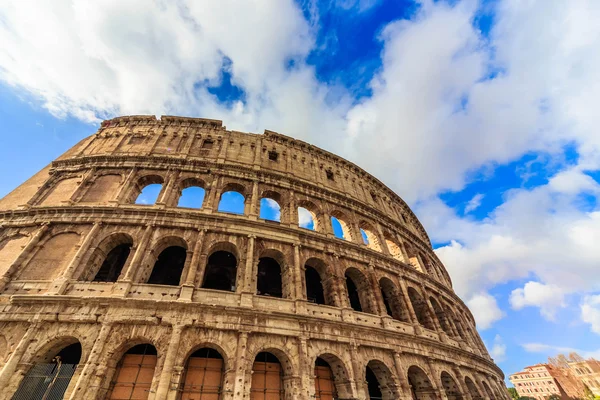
x,y
420,385
450,387
149,194
421,309
221,271
373,385
192,197
62,191
133,376
202,377
169,266
487,389
475,395
267,378
306,219
269,278
103,189
49,377
393,300
232,202
353,295
369,237
394,249
270,209
338,232
113,263
324,381
314,286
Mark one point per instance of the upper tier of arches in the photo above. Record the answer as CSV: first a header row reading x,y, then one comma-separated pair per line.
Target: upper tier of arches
x,y
258,199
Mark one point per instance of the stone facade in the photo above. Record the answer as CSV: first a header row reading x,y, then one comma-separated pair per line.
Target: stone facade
x,y
540,381
404,335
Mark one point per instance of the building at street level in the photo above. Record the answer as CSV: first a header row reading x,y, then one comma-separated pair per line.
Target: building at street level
x,y
105,295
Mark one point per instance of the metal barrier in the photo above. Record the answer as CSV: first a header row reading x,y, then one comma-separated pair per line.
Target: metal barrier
x,y
45,382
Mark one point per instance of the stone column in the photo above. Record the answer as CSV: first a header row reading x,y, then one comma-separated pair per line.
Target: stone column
x,y
434,317
60,284
382,243
306,372
91,363
10,367
223,150
293,212
167,367
187,290
461,383
246,287
84,185
298,293
241,365
402,377
125,281
409,306
252,206
215,194
377,296
435,380
27,251
164,198
359,374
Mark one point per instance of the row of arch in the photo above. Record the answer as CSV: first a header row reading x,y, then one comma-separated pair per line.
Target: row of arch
x,y
231,197
167,261
206,373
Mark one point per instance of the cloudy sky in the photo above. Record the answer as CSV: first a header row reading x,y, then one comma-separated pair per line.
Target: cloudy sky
x,y
483,115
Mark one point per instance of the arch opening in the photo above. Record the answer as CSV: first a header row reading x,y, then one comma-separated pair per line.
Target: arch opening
x,y
353,295
134,374
192,197
50,377
267,378
487,389
369,237
113,263
473,391
269,278
270,209
324,381
450,387
169,266
307,219
421,310
221,271
393,300
420,385
202,377
394,249
373,386
232,202
149,194
314,287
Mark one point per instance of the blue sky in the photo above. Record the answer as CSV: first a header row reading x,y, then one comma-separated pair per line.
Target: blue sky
x,y
480,114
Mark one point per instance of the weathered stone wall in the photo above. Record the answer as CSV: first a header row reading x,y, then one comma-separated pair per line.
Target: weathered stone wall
x,y
57,228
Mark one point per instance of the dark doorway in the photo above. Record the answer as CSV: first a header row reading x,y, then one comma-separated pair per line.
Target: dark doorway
x,y
113,264
168,267
353,294
269,277
221,271
373,385
314,286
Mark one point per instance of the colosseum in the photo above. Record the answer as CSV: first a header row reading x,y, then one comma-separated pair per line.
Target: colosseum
x,y
110,292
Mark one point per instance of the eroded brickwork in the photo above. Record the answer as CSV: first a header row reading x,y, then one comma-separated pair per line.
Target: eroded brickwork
x,y
82,264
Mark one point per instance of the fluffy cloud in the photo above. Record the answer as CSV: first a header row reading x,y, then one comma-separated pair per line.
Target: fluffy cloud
x,y
498,349
474,203
547,297
551,350
485,310
590,312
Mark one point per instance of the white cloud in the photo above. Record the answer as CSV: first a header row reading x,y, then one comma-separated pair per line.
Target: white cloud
x,y
498,350
274,206
485,310
551,350
547,297
474,203
590,312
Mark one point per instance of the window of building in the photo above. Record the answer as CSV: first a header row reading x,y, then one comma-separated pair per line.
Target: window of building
x,y
273,155
329,174
208,144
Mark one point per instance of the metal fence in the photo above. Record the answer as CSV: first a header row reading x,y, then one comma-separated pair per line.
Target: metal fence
x,y
45,382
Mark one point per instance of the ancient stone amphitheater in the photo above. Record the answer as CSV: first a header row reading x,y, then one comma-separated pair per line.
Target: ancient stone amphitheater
x,y
106,298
